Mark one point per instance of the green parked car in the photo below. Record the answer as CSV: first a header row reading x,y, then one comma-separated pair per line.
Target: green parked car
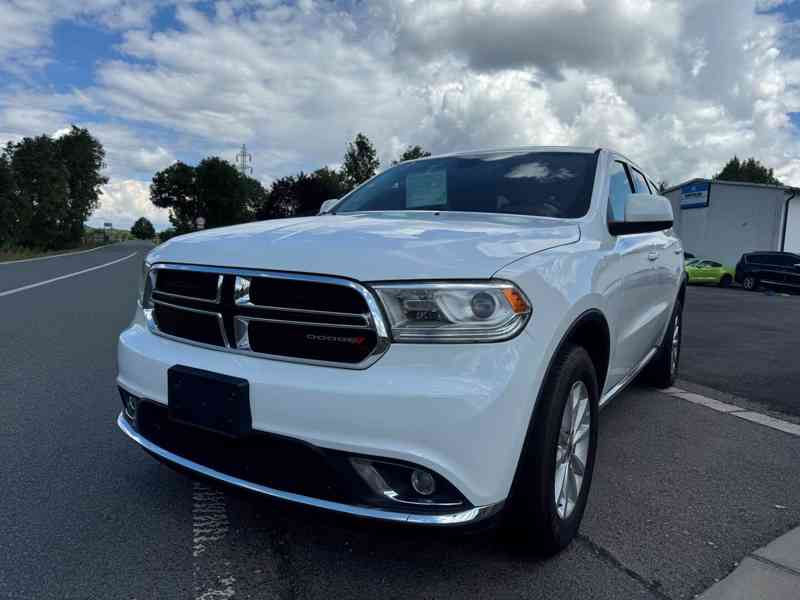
x,y
701,270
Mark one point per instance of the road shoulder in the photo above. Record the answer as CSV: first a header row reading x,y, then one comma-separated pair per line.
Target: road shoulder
x,y
771,572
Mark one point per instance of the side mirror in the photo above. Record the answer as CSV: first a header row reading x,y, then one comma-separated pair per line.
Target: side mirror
x,y
327,206
644,213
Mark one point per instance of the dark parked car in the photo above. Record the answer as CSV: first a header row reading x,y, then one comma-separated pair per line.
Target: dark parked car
x,y
776,269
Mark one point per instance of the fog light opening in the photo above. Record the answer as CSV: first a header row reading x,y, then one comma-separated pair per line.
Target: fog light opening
x,y
131,403
423,482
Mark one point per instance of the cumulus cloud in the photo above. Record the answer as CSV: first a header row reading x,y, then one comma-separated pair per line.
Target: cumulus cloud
x,y
123,202
679,86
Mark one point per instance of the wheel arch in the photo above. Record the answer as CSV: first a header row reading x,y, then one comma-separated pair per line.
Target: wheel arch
x,y
590,330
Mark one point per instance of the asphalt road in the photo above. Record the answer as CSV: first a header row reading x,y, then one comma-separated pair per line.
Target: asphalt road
x,y
680,492
744,343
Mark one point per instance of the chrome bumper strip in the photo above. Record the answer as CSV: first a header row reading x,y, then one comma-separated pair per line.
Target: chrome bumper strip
x,y
462,517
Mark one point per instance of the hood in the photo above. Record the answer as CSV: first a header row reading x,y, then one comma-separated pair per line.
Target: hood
x,y
374,246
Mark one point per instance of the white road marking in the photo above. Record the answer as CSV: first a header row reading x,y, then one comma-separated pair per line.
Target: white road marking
x,y
706,401
209,525
24,260
762,419
735,411
67,276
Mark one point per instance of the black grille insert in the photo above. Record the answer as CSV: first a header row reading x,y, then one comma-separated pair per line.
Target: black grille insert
x,y
313,342
191,325
308,295
315,319
191,284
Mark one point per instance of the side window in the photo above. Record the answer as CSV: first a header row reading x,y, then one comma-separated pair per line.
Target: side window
x,y
618,190
711,263
639,182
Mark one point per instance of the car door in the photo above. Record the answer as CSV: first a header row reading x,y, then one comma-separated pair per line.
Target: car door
x,y
665,258
771,269
714,271
710,271
791,268
795,273
700,272
639,317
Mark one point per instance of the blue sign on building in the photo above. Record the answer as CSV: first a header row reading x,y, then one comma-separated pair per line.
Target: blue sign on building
x,y
695,195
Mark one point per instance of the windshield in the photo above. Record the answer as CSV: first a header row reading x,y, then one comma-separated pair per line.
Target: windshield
x,y
546,184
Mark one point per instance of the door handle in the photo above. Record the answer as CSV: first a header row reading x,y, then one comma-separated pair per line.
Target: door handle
x,y
652,255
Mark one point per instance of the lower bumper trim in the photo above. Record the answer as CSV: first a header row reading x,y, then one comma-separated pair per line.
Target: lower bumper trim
x,y
462,517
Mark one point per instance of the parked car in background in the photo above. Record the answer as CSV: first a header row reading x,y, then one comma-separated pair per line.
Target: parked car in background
x,y
433,350
770,269
701,270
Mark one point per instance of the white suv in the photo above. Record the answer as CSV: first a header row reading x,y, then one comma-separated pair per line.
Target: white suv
x,y
433,350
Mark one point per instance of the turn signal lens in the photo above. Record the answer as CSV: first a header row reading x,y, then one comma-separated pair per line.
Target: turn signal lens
x,y
518,303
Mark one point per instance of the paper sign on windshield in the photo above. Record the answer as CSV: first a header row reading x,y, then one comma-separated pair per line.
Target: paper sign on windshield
x,y
424,190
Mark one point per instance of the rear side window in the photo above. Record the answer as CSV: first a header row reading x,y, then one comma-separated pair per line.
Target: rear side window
x,y
758,259
639,182
619,189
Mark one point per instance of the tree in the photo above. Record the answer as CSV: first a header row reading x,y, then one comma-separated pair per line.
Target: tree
x,y
360,161
282,199
42,190
168,233
412,153
174,188
749,170
83,158
214,190
9,227
221,192
143,229
257,196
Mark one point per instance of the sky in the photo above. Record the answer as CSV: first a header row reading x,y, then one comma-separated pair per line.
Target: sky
x,y
679,86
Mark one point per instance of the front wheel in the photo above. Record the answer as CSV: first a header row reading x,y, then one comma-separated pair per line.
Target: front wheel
x,y
554,473
725,281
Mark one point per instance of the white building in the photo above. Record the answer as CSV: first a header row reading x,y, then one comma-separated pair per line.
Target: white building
x,y
722,220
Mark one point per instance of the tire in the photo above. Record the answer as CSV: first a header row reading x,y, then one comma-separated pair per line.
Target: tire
x,y
725,281
663,368
750,283
539,519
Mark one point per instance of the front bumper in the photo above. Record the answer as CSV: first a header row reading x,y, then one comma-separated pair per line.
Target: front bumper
x,y
460,517
461,411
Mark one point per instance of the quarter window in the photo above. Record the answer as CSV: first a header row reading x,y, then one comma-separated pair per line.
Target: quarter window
x,y
619,190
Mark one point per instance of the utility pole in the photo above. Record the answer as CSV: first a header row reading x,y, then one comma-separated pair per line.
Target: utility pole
x,y
244,160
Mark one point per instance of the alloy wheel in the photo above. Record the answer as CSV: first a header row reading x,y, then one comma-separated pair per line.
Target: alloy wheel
x,y
572,449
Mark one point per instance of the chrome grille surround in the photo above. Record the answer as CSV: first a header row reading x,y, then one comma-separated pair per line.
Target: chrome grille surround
x,y
372,320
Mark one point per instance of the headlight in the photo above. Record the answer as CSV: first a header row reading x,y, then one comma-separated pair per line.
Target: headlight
x,y
144,281
454,312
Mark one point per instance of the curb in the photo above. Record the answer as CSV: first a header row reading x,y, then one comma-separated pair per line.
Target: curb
x,y
769,573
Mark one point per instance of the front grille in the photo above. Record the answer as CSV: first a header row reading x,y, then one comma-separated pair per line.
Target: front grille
x,y
301,318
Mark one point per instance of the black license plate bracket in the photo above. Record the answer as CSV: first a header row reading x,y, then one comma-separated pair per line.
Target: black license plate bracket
x,y
211,401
